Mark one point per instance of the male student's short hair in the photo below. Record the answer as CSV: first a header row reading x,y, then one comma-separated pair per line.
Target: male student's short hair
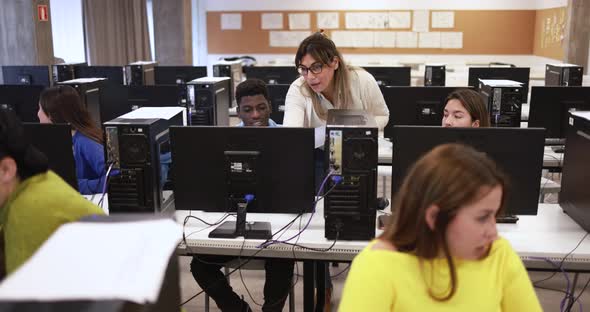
x,y
251,87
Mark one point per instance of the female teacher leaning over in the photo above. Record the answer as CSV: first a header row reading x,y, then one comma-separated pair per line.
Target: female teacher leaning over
x,y
326,82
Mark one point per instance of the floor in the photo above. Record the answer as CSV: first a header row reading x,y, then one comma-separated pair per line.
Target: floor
x,y
253,282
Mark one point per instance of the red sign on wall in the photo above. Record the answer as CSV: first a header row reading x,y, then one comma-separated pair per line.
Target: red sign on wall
x,y
42,13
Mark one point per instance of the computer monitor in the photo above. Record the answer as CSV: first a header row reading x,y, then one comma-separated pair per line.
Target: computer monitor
x,y
550,107
211,166
418,106
519,74
272,74
517,151
55,141
390,76
171,75
155,96
277,94
114,74
21,99
27,75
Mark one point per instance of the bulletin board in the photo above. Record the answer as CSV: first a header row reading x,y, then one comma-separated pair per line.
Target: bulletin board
x,y
550,33
482,32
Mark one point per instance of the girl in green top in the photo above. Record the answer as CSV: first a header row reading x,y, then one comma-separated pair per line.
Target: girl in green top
x,y
34,201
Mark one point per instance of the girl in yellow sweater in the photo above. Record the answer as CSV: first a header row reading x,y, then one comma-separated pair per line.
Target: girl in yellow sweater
x,y
442,251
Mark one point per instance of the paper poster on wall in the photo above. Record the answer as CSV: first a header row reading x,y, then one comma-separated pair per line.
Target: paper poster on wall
x,y
443,19
406,39
399,20
231,21
284,39
420,21
429,40
328,20
299,21
451,40
384,39
272,21
353,39
362,20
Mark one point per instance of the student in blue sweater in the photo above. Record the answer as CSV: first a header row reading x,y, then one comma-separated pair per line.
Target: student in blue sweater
x,y
62,104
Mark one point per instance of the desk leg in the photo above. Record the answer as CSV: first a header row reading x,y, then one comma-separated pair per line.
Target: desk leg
x,y
308,285
320,278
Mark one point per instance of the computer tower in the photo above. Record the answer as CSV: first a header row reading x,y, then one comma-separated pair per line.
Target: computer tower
x,y
233,70
574,197
504,101
208,103
351,153
89,91
140,73
139,151
64,71
563,75
434,75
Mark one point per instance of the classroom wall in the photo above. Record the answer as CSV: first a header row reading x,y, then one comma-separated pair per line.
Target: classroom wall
x,y
549,33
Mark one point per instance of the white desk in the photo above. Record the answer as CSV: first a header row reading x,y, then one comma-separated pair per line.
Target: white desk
x,y
551,159
550,234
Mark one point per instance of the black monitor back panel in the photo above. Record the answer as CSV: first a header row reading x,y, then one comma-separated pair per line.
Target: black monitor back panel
x,y
517,151
55,141
391,76
26,75
23,100
284,170
113,74
415,106
272,74
171,75
277,94
550,106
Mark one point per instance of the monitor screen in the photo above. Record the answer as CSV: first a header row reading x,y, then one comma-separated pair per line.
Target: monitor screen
x,y
390,76
418,106
23,100
518,74
27,75
213,165
55,141
171,75
517,151
277,94
272,74
550,106
114,74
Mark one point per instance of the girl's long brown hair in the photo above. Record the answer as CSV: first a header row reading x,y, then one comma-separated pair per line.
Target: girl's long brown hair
x,y
323,50
62,104
450,176
473,103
